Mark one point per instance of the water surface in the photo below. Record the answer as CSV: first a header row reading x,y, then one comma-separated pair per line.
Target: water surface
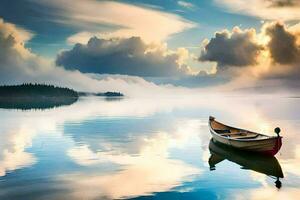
x,y
144,149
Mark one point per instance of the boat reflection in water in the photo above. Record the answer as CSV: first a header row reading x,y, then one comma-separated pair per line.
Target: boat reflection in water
x,y
267,165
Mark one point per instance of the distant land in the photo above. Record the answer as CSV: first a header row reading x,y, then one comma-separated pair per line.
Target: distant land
x,y
105,94
42,96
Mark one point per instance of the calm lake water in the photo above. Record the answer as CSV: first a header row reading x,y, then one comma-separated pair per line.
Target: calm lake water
x,y
142,148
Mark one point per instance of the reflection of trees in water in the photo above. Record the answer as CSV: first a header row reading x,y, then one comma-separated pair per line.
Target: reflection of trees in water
x,y
112,98
267,165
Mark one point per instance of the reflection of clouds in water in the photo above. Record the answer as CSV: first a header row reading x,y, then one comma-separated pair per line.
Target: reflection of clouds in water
x,y
151,170
18,128
267,192
145,176
268,189
142,170
12,150
145,160
292,165
17,132
261,178
151,146
274,194
14,141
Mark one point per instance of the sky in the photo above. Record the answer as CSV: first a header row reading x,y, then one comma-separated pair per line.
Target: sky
x,y
151,45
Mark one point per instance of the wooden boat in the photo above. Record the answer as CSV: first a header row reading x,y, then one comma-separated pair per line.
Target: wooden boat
x,y
267,165
244,139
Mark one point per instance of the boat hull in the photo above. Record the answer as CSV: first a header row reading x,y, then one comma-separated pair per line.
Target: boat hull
x,y
269,146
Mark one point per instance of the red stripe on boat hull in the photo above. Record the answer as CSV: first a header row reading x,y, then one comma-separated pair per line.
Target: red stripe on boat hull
x,y
276,148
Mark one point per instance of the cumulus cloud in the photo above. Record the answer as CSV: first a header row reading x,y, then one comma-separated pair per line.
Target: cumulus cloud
x,y
14,57
272,67
236,48
284,50
130,56
264,9
283,44
123,20
18,65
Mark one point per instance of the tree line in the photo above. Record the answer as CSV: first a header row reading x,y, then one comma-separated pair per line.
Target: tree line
x,y
36,89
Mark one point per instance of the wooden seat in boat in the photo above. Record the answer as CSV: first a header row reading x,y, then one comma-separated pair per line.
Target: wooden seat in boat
x,y
252,136
221,131
240,135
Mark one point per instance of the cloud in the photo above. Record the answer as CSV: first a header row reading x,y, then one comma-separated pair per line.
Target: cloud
x,y
283,69
121,19
283,3
284,50
283,44
265,9
14,57
268,192
272,67
124,56
236,48
186,4
18,65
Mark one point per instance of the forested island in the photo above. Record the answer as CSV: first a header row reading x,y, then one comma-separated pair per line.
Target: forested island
x,y
35,90
35,96
41,96
105,94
